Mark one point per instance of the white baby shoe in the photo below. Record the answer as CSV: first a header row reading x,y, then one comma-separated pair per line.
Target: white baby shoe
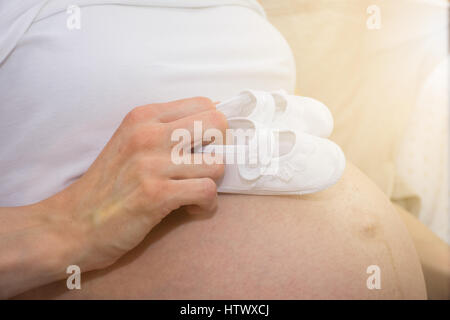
x,y
301,113
270,161
280,110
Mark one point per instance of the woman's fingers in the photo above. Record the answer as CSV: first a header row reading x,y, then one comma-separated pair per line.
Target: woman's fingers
x,y
191,170
194,128
199,194
168,111
177,126
175,110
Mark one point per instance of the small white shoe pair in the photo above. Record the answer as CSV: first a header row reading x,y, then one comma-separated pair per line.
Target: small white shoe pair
x,y
280,143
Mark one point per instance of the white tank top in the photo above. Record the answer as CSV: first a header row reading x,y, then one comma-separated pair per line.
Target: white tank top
x,y
63,91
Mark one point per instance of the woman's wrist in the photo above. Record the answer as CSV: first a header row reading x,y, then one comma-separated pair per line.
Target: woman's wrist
x,y
68,240
37,247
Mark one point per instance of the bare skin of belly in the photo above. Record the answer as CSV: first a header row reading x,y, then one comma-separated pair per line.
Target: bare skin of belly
x,y
259,247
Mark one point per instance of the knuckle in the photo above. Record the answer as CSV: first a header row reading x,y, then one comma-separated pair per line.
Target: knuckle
x,y
209,188
162,192
136,115
205,102
217,171
149,188
218,120
155,191
156,133
154,110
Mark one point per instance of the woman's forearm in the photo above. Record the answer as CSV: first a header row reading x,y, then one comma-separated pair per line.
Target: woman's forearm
x,y
32,251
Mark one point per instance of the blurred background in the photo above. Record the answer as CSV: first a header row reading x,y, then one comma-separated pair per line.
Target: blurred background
x,y
382,69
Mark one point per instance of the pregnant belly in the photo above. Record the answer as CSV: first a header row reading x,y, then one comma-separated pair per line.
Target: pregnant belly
x,y
253,247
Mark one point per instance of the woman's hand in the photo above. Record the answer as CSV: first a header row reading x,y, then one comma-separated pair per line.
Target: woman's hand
x,y
133,184
129,188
